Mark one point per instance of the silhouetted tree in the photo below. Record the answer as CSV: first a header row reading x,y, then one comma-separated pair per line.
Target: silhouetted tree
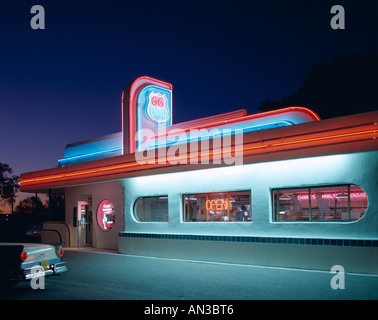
x,y
57,206
347,84
4,171
10,189
8,185
31,205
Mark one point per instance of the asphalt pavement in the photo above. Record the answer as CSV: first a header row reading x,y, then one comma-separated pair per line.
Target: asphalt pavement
x,y
94,275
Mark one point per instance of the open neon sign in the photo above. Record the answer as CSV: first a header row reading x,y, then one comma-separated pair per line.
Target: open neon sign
x,y
217,204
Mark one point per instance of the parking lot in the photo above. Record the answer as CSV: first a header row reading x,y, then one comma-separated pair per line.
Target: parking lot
x,y
111,276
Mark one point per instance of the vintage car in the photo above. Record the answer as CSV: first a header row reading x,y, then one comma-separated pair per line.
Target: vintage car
x,y
23,261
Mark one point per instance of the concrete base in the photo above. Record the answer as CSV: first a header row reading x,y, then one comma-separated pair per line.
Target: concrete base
x,y
313,257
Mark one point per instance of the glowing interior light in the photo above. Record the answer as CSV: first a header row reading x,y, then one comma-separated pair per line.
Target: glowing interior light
x,y
331,196
285,197
358,195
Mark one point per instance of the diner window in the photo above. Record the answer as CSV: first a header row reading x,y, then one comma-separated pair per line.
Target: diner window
x,y
330,203
232,206
151,209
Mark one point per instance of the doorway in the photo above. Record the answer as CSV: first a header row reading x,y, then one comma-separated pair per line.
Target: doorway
x,y
84,216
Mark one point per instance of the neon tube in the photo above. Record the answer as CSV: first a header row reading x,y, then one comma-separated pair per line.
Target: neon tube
x,y
248,149
88,155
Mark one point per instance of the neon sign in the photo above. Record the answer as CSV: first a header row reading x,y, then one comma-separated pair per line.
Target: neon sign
x,y
134,113
305,197
105,215
157,108
333,196
154,110
217,204
353,195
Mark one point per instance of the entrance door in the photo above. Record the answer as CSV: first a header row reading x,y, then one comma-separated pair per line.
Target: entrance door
x,y
84,224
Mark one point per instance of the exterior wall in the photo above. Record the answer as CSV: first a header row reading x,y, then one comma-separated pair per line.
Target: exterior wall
x,y
261,178
56,231
95,193
315,245
153,238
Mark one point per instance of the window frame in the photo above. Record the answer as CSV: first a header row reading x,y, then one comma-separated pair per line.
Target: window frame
x,y
184,213
135,215
276,213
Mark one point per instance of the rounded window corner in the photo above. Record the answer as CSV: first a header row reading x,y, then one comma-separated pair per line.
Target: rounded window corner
x,y
151,209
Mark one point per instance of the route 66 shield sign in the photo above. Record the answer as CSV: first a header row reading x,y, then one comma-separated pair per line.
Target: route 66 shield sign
x,y
157,108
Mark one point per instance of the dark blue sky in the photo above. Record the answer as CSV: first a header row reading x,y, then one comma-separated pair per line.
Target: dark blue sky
x,y
63,84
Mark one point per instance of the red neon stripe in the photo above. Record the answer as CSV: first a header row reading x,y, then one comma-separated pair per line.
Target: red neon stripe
x,y
211,122
219,118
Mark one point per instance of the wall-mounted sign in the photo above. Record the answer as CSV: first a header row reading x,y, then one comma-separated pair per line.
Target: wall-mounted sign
x,y
154,107
158,107
146,104
105,215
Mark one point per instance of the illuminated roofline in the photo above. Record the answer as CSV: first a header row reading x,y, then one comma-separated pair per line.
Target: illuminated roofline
x,y
366,131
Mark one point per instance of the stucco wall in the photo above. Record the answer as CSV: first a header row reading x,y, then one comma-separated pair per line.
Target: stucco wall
x,y
95,193
357,168
260,179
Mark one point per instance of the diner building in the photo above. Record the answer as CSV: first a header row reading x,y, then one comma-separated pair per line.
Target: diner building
x,y
278,188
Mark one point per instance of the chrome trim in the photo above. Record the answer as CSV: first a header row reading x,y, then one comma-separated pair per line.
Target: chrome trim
x,y
54,269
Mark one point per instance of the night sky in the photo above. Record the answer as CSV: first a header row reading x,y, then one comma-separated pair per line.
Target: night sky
x,y
63,84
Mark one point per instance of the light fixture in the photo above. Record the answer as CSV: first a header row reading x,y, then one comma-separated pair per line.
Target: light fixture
x,y
285,197
342,195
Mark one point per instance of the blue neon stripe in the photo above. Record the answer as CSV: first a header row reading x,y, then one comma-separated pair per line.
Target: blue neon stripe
x,y
86,157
